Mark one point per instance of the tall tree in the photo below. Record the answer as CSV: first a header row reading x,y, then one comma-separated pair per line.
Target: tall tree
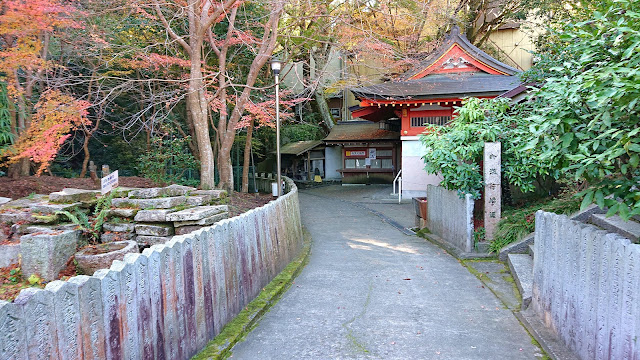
x,y
27,29
208,33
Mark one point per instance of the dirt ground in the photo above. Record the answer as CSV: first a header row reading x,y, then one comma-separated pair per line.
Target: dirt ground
x,y
25,186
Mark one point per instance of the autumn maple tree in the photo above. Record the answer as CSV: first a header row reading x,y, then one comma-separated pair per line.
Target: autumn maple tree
x,y
27,29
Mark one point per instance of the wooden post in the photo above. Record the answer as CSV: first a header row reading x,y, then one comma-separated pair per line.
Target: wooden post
x,y
492,188
105,170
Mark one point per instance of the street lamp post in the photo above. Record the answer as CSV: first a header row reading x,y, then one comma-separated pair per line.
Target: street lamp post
x,y
275,67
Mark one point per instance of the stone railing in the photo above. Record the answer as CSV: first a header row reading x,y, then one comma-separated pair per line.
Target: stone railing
x,y
585,287
165,303
450,218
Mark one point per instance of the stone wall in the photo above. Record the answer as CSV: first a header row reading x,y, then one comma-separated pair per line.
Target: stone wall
x,y
586,287
165,303
450,217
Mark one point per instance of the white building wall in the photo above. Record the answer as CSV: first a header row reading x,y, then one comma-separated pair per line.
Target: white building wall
x,y
414,178
333,162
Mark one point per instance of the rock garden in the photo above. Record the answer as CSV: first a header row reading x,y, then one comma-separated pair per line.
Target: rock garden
x,y
77,231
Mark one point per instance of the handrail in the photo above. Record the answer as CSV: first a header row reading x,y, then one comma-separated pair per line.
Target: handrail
x,y
394,181
398,178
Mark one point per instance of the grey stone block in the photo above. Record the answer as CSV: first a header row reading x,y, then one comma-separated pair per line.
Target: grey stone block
x,y
67,322
203,222
519,247
89,263
13,342
9,254
521,266
69,195
154,229
197,213
171,190
91,313
113,311
205,197
214,194
119,227
158,203
110,237
47,254
159,215
629,229
25,202
38,309
16,215
4,200
49,208
123,213
183,230
144,240
450,217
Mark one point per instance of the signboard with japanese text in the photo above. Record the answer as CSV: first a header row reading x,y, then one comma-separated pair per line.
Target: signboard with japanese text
x,y
356,153
372,153
109,182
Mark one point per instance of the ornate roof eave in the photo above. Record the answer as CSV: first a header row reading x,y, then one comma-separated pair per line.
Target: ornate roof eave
x,y
456,38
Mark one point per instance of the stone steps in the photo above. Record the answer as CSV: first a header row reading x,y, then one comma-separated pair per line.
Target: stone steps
x,y
521,266
629,229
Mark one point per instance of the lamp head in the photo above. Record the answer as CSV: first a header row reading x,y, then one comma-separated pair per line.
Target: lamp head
x,y
276,65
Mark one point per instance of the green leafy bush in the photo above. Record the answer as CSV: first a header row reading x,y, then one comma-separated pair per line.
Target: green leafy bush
x,y
456,150
587,113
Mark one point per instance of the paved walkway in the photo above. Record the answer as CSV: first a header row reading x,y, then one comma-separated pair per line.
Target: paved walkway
x,y
372,292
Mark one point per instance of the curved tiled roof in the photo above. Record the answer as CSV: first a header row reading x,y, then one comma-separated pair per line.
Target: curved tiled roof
x,y
442,85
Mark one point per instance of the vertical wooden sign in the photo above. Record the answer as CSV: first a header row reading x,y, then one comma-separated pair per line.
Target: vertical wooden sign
x,y
492,188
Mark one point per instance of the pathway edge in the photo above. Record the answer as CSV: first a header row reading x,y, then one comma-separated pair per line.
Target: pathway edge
x,y
220,347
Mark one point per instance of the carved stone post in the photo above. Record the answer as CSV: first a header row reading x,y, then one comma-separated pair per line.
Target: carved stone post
x,y
492,189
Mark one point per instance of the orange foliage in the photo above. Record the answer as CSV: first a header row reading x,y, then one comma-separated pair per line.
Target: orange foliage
x,y
56,114
264,113
22,24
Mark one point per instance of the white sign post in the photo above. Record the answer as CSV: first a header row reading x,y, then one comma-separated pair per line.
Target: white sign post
x,y
492,188
109,182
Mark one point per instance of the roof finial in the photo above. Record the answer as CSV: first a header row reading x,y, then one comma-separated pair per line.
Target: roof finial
x,y
455,31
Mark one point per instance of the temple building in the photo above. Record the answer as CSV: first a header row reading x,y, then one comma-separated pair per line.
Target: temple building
x,y
426,95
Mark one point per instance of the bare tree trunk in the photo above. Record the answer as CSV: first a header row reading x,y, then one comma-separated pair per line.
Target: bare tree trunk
x,y
87,155
323,109
267,45
247,158
197,106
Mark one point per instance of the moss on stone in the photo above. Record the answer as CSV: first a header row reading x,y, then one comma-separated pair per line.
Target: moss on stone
x,y
247,319
46,219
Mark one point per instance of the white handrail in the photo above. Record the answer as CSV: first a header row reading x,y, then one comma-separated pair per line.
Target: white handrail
x,y
396,179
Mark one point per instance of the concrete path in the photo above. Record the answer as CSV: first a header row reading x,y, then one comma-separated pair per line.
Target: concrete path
x,y
372,292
